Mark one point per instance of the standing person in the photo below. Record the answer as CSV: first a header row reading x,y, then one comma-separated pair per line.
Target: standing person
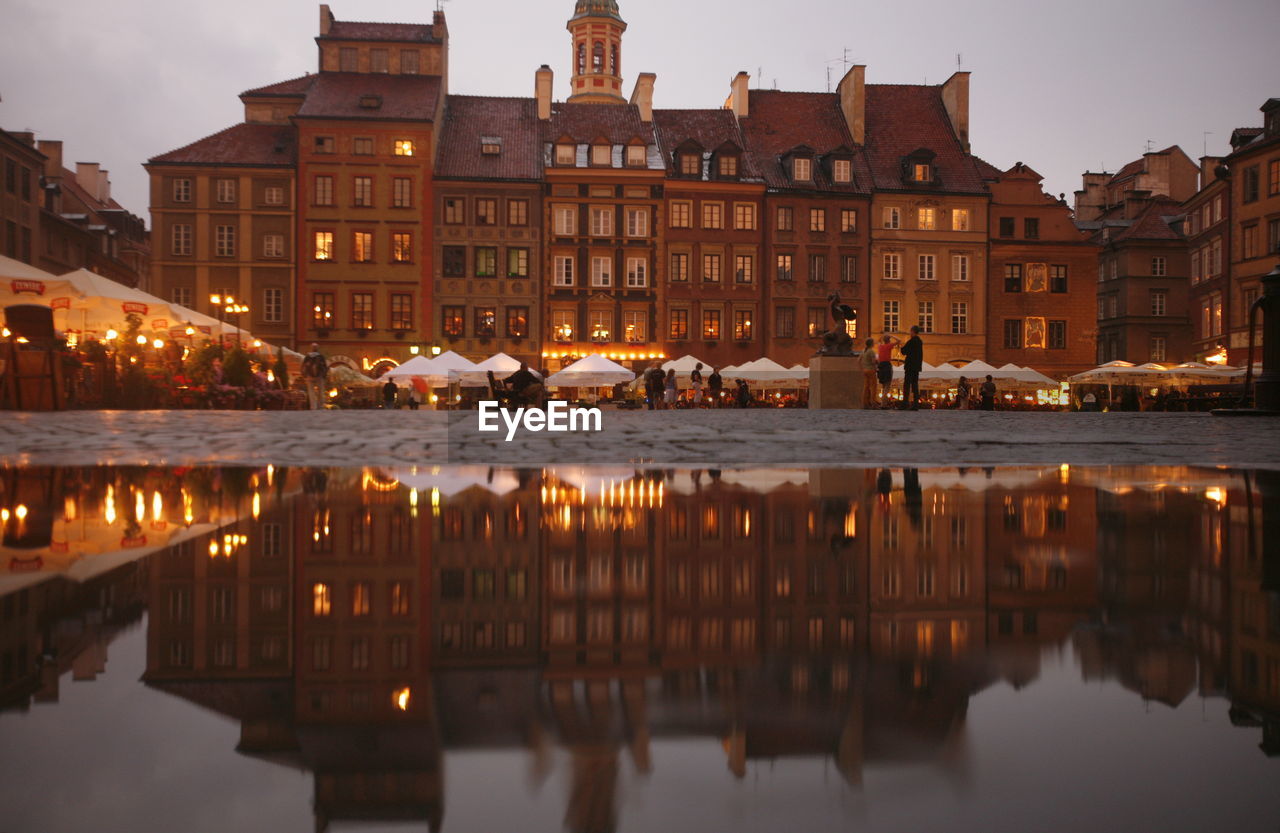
x,y
963,393
744,394
315,372
716,386
669,389
912,363
884,365
695,379
988,394
653,381
868,358
415,398
389,392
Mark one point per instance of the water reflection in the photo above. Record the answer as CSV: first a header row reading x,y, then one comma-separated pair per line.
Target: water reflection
x,y
358,623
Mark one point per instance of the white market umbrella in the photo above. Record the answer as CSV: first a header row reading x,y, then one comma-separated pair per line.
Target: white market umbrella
x,y
1114,372
437,371
594,371
1198,373
501,365
452,480
684,366
802,374
767,372
11,269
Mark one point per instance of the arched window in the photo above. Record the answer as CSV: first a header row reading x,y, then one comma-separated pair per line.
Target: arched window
x,y
613,61
582,57
597,57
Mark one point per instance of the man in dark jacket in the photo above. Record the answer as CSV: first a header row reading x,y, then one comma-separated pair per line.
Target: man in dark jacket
x,y
912,363
654,379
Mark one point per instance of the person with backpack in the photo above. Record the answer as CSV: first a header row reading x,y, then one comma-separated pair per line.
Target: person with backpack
x,y
315,373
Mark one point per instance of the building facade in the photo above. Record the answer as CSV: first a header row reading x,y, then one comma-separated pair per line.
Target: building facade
x,y
1040,281
553,230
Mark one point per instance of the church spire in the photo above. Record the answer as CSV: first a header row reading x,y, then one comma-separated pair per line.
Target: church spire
x,y
597,28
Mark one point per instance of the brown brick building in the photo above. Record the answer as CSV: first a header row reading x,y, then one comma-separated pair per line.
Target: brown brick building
x,y
715,267
1254,165
488,229
20,197
1207,227
1041,278
814,231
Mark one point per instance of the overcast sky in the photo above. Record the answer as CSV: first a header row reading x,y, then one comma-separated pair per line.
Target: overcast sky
x,y
1062,86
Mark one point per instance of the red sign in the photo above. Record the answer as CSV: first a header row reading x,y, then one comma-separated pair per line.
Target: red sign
x,y
134,307
160,324
26,565
20,286
129,543
60,303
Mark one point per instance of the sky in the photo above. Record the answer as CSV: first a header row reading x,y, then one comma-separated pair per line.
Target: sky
x,y
1062,86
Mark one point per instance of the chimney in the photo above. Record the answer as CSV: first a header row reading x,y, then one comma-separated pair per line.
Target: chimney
x,y
87,177
739,96
52,150
326,19
853,102
439,30
1209,170
104,187
642,95
955,97
542,91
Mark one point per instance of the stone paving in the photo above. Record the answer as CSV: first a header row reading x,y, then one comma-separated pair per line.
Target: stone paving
x,y
767,437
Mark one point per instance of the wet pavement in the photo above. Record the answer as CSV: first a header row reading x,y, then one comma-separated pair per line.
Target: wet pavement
x,y
771,437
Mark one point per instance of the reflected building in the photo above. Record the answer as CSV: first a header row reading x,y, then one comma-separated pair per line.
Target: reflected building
x,y
847,616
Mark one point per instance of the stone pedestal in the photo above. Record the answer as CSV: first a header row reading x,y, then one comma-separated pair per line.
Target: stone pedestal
x,y
835,382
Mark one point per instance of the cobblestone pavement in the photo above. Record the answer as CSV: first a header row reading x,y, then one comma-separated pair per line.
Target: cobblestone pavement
x,y
816,438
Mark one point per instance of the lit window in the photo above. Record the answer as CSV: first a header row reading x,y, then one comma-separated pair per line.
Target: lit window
x,y
848,220
922,172
960,219
321,599
402,247
817,219
362,246
712,215
403,147
324,245
926,219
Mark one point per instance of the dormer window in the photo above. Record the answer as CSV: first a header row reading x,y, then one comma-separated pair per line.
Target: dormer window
x,y
922,172
370,102
490,145
691,164
842,171
728,166
566,154
802,169
637,156
602,155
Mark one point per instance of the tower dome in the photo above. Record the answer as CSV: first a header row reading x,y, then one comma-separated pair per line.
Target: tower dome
x,y
597,52
596,8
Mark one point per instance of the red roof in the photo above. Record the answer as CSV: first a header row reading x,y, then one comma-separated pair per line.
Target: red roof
x,y
709,128
468,119
617,123
986,170
256,145
903,118
401,32
782,121
1151,225
293,87
1137,166
338,95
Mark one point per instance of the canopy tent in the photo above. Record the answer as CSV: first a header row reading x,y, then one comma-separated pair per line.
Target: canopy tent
x,y
11,269
1198,373
683,367
1118,373
1024,378
802,374
594,371
452,480
768,373
501,365
437,371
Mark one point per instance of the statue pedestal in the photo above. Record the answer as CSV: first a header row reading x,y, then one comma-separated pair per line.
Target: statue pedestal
x,y
835,382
